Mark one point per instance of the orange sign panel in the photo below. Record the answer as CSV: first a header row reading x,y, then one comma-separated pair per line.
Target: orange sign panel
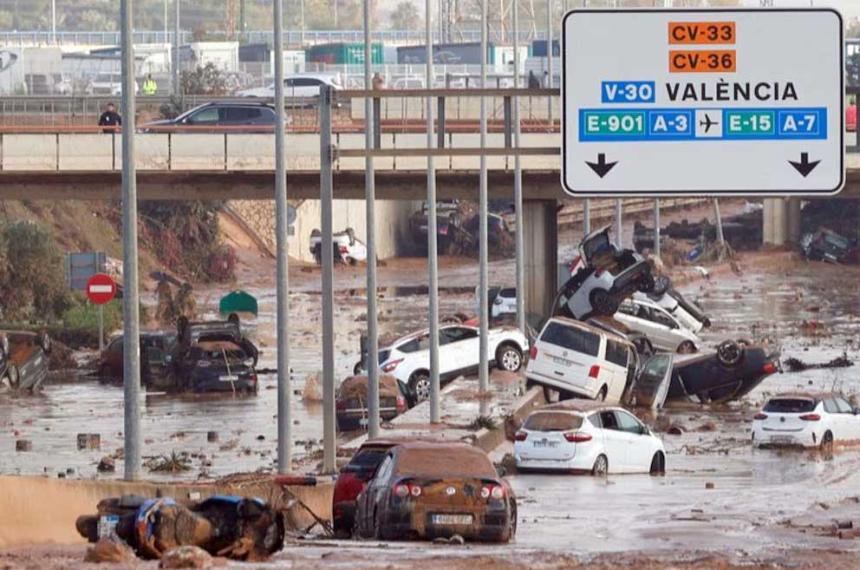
x,y
699,33
702,61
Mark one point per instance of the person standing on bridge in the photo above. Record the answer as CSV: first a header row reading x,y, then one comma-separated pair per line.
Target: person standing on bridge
x,y
110,119
150,87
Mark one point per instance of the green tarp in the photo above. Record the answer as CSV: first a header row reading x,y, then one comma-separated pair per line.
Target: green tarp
x,y
238,302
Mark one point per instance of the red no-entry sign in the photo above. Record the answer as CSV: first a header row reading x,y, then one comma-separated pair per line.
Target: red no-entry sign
x,y
101,289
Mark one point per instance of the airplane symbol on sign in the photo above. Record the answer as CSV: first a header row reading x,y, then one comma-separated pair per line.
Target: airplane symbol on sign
x,y
708,123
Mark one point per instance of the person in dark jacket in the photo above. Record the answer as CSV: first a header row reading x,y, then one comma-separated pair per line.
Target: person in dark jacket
x,y
110,118
534,82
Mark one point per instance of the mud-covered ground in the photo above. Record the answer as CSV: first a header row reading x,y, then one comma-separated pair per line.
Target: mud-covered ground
x,y
721,504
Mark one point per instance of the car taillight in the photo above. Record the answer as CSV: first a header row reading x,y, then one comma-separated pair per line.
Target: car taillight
x,y
521,436
391,365
343,249
252,378
598,272
533,353
769,368
401,404
594,371
407,490
340,404
496,492
577,437
760,416
810,417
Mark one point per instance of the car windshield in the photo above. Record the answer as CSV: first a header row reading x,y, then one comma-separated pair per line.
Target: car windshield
x,y
367,459
553,421
572,338
596,245
789,406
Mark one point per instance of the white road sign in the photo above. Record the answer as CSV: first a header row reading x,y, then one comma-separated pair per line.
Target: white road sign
x,y
673,102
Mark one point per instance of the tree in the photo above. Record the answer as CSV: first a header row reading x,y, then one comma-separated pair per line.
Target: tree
x,y
406,17
206,80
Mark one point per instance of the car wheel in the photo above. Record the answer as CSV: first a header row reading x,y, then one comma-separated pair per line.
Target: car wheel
x,y
603,303
729,352
45,342
601,466
509,358
658,464
419,383
687,347
14,375
827,442
356,370
646,284
661,285
550,395
601,396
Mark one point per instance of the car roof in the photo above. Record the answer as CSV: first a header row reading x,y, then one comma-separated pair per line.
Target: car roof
x,y
595,329
805,395
234,104
580,405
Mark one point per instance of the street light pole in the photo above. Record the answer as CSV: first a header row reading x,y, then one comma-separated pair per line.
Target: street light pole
x,y
54,22
432,252
518,180
177,42
483,277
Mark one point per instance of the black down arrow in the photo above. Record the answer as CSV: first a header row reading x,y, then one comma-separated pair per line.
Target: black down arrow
x,y
601,167
804,167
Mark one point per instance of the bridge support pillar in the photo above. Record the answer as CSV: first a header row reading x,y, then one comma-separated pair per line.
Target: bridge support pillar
x,y
793,205
540,226
775,220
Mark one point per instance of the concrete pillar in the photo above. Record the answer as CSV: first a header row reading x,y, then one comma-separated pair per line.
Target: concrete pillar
x,y
775,219
541,256
793,231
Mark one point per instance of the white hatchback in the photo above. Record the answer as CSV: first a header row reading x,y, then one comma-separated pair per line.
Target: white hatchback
x,y
408,358
806,420
661,327
580,435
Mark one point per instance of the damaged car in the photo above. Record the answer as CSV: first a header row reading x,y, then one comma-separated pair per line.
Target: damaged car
x,y
806,419
24,360
664,331
587,437
601,277
238,528
424,490
156,360
215,356
826,245
408,358
351,401
347,248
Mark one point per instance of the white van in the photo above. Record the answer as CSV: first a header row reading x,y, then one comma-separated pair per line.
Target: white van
x,y
575,358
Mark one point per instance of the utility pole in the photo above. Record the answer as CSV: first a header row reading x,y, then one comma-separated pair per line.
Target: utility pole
x,y
285,424
518,179
130,302
54,22
483,277
432,252
177,42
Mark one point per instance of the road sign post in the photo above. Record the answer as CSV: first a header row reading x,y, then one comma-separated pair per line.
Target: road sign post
x,y
101,289
692,102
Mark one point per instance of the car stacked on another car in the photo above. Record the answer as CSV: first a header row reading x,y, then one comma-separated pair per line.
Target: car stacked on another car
x,y
586,436
408,358
806,419
601,277
662,328
431,490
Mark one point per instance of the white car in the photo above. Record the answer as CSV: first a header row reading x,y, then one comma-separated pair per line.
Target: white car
x,y
601,277
688,313
502,301
408,358
107,84
579,435
806,420
661,327
347,248
305,86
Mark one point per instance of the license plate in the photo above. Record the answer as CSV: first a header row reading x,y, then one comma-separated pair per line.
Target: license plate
x,y
546,443
562,361
107,525
362,422
782,439
228,378
452,519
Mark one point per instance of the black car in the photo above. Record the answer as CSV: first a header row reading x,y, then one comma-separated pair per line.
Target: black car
x,y
23,360
214,356
730,372
252,117
156,360
825,245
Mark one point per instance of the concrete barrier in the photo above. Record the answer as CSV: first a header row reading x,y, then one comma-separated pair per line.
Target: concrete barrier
x,y
29,152
86,151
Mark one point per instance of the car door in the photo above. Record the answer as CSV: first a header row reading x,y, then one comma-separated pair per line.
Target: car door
x,y
849,423
614,442
638,317
667,327
461,346
652,382
616,362
638,452
834,419
369,498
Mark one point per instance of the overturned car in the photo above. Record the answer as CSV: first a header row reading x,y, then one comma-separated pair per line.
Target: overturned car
x,y
351,401
235,527
24,359
215,356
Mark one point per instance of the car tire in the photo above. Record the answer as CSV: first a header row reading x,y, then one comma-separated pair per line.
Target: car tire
x,y
658,464
687,347
827,442
419,384
603,303
729,353
661,285
45,342
551,395
14,376
509,358
601,395
601,466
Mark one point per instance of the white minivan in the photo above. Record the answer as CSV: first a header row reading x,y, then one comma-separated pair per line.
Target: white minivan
x,y
573,357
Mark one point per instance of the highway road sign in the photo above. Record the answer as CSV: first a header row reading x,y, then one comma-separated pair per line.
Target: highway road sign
x,y
101,289
715,102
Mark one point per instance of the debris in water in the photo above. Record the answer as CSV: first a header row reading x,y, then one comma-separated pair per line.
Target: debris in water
x,y
798,365
175,463
312,391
